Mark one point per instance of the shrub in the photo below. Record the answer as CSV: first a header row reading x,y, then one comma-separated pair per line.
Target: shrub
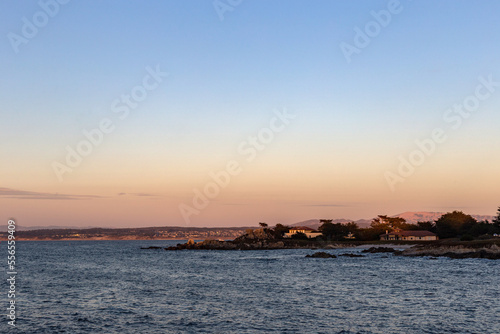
x,y
466,237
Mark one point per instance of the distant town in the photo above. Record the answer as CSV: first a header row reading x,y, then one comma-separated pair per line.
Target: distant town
x,y
145,233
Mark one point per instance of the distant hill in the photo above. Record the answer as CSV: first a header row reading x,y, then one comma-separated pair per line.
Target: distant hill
x,y
414,217
3,228
410,217
312,223
315,224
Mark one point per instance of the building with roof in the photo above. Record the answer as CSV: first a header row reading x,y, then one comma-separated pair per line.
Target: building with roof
x,y
409,235
309,232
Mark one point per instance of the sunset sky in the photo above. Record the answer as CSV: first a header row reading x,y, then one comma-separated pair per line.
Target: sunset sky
x,y
311,106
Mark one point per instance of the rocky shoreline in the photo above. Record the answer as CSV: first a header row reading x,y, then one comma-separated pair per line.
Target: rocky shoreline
x,y
258,239
488,251
264,239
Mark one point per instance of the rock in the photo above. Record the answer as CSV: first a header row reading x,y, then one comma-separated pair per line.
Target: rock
x,y
352,255
262,238
481,254
322,255
277,245
255,235
152,247
338,246
379,250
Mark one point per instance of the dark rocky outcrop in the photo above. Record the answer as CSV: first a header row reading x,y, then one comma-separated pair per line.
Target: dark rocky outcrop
x,y
491,252
351,255
379,250
262,238
252,240
322,255
152,247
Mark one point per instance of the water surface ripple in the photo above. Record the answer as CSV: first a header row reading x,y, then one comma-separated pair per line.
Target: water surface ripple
x,y
115,287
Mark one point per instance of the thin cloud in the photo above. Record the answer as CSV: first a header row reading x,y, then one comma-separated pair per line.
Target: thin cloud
x,y
22,194
328,205
138,194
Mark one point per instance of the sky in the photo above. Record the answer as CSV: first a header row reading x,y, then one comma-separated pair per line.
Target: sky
x,y
230,113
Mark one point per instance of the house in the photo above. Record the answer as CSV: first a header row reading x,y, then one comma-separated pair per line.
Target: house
x,y
309,232
409,235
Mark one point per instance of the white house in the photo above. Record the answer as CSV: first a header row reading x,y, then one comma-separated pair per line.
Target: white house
x,y
309,232
409,235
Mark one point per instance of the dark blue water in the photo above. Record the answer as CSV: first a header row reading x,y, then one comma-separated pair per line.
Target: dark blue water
x,y
115,287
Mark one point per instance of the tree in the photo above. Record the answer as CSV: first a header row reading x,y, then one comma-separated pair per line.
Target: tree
x,y
453,224
263,225
280,230
299,236
379,225
425,226
327,228
368,234
336,231
384,221
352,227
496,221
481,228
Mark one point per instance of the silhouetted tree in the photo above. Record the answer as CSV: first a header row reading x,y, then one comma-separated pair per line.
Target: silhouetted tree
x,y
280,230
299,236
381,223
426,226
263,225
337,231
352,227
496,221
327,228
478,229
370,233
451,225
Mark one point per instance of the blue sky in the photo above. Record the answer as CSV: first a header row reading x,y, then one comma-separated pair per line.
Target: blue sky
x,y
226,78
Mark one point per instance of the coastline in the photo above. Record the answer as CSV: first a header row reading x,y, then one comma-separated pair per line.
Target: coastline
x,y
98,239
263,239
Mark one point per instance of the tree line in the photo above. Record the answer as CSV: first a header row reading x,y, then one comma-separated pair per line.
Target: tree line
x,y
454,224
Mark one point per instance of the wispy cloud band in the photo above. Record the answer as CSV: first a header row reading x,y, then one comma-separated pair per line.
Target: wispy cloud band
x,y
33,195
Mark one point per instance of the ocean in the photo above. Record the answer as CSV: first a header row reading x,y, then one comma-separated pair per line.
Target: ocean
x,y
116,287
